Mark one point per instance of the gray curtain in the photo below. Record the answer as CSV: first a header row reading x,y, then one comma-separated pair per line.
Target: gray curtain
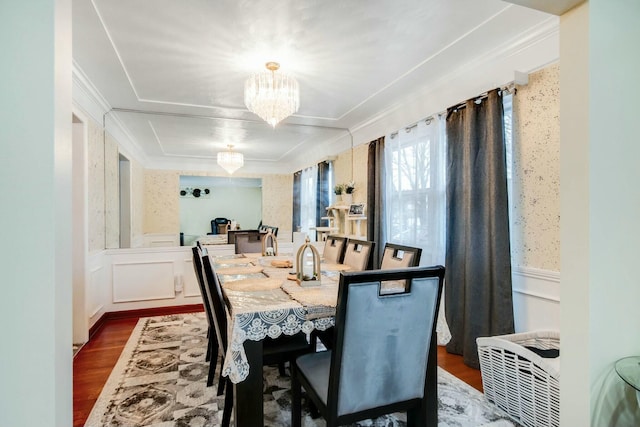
x,y
478,298
375,198
323,192
297,178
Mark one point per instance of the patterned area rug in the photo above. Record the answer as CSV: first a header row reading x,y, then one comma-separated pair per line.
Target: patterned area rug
x,y
160,381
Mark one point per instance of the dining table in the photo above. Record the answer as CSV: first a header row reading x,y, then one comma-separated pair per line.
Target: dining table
x,y
263,301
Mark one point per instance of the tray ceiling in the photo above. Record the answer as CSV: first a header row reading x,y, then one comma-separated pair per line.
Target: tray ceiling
x,y
189,59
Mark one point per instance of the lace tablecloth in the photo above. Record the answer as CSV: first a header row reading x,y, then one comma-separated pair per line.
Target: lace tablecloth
x,y
260,314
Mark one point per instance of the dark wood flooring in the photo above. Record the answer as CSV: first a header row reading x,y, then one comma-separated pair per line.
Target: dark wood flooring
x,y
94,362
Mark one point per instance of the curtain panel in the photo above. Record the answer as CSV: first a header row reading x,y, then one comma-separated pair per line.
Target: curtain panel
x,y
297,177
375,198
478,298
323,194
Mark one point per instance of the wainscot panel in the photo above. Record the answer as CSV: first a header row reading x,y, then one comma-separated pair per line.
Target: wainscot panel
x,y
536,299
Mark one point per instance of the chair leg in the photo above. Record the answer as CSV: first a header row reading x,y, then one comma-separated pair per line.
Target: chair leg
x,y
212,371
281,370
296,398
209,344
222,380
228,405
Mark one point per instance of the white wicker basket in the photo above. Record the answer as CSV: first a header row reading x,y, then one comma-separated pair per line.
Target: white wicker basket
x,y
520,382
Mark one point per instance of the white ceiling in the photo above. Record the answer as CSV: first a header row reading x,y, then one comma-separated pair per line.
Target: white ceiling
x,y
188,60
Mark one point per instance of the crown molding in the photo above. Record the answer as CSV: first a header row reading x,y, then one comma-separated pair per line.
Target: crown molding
x,y
530,41
87,98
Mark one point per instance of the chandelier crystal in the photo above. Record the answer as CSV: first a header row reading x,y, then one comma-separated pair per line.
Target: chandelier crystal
x,y
272,96
230,160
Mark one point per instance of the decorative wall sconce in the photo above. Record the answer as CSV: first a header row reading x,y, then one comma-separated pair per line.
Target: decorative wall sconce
x,y
308,265
194,192
269,244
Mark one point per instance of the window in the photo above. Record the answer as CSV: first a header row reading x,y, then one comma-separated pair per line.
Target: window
x,y
416,184
308,192
415,213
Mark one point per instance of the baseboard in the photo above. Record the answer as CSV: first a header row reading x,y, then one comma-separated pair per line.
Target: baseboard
x,y
143,312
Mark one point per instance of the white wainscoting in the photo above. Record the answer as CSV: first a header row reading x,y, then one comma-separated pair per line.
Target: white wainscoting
x,y
150,277
191,288
132,280
94,293
159,240
536,299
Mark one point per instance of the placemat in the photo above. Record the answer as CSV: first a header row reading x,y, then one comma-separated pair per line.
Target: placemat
x,y
234,261
334,267
318,301
240,270
249,285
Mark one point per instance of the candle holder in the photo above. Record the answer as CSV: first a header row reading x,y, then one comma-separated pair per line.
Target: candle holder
x,y
269,244
308,265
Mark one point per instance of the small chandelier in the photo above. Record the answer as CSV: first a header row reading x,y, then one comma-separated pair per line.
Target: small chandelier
x,y
272,96
230,160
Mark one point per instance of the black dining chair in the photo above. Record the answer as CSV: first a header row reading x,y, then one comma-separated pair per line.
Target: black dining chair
x,y
333,251
275,351
249,242
358,254
400,256
212,346
398,369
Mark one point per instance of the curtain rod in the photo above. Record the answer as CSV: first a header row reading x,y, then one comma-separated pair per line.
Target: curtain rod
x,y
508,88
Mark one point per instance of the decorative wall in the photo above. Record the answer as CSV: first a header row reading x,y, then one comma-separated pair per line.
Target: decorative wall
x,y
112,205
536,172
95,187
161,207
277,201
137,205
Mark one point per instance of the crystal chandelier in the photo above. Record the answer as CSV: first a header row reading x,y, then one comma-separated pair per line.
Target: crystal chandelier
x,y
272,96
230,160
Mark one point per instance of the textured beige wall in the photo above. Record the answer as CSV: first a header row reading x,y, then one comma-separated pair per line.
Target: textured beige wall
x,y
536,171
103,191
137,205
112,191
95,187
277,201
352,164
161,206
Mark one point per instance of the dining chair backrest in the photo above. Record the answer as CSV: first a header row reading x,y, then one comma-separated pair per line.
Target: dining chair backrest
x,y
333,251
217,302
231,234
358,254
399,256
249,242
397,330
216,224
197,267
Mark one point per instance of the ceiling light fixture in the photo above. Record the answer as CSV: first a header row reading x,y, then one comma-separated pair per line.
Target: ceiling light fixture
x,y
230,160
272,96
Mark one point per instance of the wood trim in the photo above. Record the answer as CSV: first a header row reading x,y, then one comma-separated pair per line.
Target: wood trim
x,y
143,312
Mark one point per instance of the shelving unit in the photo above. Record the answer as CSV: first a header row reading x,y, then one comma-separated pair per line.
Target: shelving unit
x,y
345,224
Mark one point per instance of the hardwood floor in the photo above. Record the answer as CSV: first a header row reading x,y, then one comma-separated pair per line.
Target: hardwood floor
x,y
94,362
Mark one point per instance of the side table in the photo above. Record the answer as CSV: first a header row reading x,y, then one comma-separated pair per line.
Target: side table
x,y
629,370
